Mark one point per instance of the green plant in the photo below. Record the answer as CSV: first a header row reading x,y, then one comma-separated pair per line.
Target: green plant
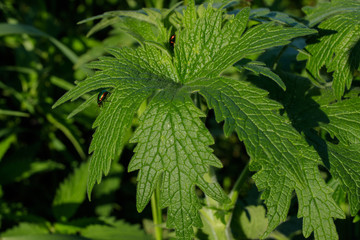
x,y
286,139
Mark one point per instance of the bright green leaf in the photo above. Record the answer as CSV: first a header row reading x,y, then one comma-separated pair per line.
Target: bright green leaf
x,y
207,47
173,146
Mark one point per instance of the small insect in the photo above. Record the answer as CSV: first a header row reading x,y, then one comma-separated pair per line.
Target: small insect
x,y
172,40
101,97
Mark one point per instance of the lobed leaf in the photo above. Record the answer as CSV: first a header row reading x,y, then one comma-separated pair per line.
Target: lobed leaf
x,y
143,25
172,149
344,120
309,110
337,49
328,9
283,160
209,45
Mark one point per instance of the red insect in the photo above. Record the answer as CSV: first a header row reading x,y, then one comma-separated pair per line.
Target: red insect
x,y
172,40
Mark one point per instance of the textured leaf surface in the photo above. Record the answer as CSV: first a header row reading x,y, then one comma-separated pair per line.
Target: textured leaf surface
x,y
344,158
143,25
344,119
283,160
308,110
345,166
207,46
173,146
172,142
329,9
260,68
151,72
131,76
337,49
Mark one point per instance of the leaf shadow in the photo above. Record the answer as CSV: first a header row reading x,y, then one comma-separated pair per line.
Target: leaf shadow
x,y
299,106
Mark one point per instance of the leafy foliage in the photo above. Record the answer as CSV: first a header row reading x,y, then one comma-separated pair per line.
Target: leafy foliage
x,y
337,47
172,146
158,94
290,162
204,48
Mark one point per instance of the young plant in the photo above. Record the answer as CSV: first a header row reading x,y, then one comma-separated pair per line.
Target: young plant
x,y
172,152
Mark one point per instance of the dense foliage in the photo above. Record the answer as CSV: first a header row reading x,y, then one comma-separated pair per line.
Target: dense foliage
x,y
274,95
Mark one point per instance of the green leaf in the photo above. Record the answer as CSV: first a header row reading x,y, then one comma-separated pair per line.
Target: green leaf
x,y
105,192
24,229
308,110
344,166
70,194
265,15
6,29
252,222
283,160
173,146
45,237
21,166
145,24
133,75
119,230
338,49
260,68
172,150
344,120
208,46
68,131
342,159
145,64
5,144
343,163
329,9
13,113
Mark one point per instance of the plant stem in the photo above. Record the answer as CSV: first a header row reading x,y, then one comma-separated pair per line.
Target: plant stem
x,y
156,212
238,184
276,62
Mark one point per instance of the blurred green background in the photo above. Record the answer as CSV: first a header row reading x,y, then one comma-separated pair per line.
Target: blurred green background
x,y
43,154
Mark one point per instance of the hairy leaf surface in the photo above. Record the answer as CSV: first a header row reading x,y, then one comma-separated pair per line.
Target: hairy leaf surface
x,y
337,48
173,146
283,160
172,150
207,46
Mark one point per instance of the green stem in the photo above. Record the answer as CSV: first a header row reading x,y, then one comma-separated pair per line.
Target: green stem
x,y
275,65
159,4
156,212
238,184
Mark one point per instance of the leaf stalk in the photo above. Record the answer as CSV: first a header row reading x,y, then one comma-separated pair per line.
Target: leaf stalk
x,y
156,212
